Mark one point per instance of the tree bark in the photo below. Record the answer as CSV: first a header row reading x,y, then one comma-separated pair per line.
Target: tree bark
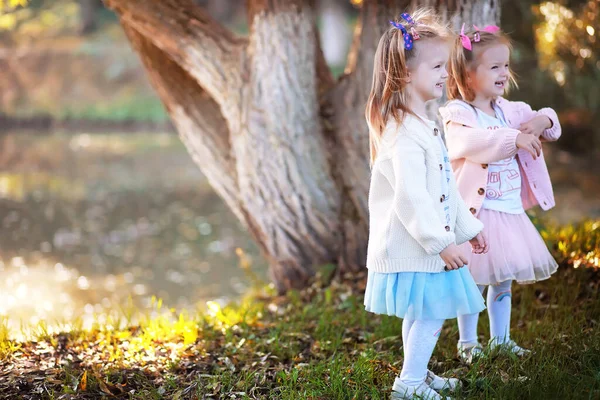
x,y
87,15
281,142
469,12
282,164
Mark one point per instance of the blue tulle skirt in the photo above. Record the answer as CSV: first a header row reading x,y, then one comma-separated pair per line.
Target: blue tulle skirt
x,y
423,295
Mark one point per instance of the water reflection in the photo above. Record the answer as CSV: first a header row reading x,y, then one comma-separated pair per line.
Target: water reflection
x,y
89,221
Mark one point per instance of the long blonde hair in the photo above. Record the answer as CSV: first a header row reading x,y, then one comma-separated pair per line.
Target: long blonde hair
x,y
388,97
462,61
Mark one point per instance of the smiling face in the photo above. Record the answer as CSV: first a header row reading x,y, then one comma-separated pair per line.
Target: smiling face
x,y
491,75
428,70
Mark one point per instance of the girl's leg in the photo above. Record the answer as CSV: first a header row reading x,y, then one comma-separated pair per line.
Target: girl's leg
x,y
433,381
467,327
406,325
499,302
418,347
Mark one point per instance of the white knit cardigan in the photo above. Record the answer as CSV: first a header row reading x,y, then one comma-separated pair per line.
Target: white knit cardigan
x,y
406,211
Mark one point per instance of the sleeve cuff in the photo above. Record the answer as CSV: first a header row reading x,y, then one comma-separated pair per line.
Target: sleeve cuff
x,y
510,146
437,246
473,228
552,133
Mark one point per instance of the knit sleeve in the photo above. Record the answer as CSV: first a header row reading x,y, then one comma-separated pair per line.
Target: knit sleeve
x,y
480,145
551,134
412,203
467,225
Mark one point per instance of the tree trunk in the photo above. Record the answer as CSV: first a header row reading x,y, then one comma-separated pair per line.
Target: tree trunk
x,y
282,143
87,15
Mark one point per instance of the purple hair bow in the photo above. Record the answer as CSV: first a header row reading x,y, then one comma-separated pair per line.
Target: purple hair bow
x,y
408,37
408,41
407,18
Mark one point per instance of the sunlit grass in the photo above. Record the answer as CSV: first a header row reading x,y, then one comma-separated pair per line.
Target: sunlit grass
x,y
7,345
577,245
320,343
128,335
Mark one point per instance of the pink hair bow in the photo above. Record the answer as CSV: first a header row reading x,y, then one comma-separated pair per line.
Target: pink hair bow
x,y
489,28
466,42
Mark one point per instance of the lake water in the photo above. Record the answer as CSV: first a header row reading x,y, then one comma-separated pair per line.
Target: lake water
x,y
92,223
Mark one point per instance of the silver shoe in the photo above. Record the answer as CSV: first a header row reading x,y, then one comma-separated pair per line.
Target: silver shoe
x,y
509,347
438,383
470,353
401,391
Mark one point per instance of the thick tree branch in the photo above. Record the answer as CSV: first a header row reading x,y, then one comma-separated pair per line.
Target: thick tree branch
x,y
190,37
196,116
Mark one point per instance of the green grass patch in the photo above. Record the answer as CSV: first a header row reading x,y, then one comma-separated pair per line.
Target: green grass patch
x,y
125,109
319,343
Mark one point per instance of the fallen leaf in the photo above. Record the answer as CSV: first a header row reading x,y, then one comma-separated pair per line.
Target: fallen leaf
x,y
82,386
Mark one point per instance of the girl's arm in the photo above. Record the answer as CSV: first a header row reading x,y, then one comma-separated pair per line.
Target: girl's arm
x,y
467,225
551,134
412,203
480,145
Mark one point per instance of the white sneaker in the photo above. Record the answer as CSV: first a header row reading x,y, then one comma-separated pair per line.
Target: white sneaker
x,y
470,352
438,383
401,391
509,347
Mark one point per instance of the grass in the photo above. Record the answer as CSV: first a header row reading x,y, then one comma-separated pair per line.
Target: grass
x,y
125,109
319,343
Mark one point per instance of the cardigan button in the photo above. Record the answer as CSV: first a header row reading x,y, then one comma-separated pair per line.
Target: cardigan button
x,y
473,211
442,198
447,228
435,131
481,191
484,166
441,167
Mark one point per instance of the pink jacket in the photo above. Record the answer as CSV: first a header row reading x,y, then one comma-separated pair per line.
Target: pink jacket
x,y
471,148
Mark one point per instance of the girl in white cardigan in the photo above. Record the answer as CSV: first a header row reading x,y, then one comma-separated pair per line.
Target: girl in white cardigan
x,y
417,216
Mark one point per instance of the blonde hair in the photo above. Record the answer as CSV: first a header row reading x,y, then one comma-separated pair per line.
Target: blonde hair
x,y
462,61
388,97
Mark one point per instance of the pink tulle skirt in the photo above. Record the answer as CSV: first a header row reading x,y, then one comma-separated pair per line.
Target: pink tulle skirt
x,y
517,251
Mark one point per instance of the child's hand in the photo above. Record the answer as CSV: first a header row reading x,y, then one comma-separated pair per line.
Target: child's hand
x,y
536,125
453,257
479,244
529,143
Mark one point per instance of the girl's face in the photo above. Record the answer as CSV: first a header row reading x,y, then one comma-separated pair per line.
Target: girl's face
x,y
490,77
427,71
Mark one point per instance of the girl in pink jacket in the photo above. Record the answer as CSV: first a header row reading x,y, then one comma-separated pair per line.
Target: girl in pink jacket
x,y
495,148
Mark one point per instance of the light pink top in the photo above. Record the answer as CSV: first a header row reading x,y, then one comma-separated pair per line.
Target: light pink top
x,y
472,147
